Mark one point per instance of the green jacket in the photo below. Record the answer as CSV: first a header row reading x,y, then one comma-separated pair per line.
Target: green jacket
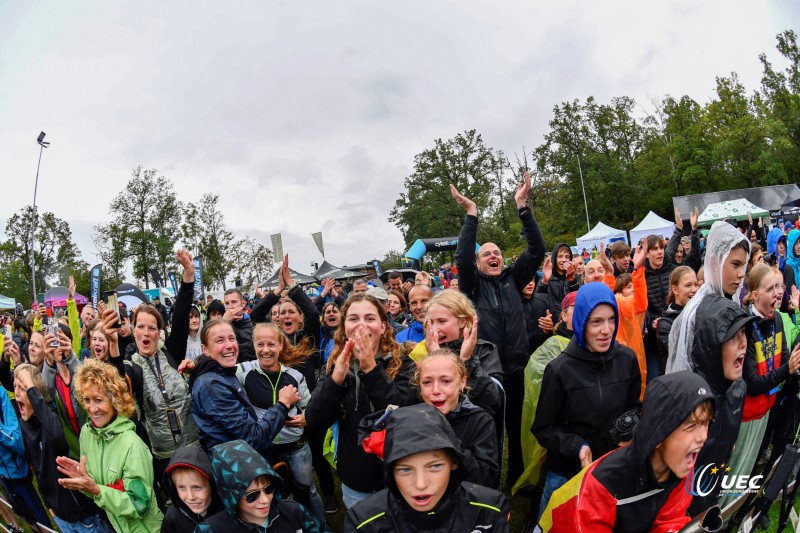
x,y
789,328
120,463
533,454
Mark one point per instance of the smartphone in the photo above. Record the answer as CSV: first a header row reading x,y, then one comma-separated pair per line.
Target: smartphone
x,y
8,330
52,329
113,303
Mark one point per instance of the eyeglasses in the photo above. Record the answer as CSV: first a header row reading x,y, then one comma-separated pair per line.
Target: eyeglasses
x,y
253,495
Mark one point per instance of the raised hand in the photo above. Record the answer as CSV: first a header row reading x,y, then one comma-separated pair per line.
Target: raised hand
x,y
185,259
71,292
521,196
678,219
431,337
794,297
287,276
11,350
570,268
546,322
639,256
468,205
693,217
78,477
470,341
604,260
342,366
547,271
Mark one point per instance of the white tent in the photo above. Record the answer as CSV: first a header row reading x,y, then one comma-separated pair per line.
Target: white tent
x,y
652,224
730,210
601,233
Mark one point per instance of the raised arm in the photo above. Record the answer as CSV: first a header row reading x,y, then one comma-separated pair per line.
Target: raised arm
x,y
467,238
524,268
176,342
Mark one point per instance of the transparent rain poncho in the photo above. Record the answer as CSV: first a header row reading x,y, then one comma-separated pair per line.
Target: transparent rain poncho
x,y
721,239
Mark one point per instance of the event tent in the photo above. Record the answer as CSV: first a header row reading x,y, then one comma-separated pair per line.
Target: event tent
x,y
652,224
601,233
131,295
57,297
327,270
730,210
7,303
302,279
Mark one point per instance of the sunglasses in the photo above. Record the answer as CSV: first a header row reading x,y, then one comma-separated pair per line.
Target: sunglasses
x,y
253,495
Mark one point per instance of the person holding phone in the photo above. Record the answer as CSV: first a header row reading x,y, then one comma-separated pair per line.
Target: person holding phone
x,y
161,392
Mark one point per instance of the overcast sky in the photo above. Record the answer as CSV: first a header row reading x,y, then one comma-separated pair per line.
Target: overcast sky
x,y
306,116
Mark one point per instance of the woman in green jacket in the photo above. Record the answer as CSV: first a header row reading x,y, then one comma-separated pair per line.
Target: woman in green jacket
x,y
116,468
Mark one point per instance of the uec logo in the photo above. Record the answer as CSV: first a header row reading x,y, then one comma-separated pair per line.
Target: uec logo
x,y
702,482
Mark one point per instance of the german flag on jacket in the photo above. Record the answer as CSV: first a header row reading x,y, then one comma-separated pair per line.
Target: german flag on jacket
x,y
619,492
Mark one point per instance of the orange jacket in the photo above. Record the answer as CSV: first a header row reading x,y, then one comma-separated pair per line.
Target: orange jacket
x,y
632,311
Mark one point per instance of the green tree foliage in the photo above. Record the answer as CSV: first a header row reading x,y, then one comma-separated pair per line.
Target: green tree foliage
x,y
251,262
204,230
149,211
54,250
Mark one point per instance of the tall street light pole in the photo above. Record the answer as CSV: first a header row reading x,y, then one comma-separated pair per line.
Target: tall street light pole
x,y
42,145
585,205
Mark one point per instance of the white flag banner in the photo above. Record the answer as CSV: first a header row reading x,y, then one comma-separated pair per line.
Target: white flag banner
x,y
277,246
318,239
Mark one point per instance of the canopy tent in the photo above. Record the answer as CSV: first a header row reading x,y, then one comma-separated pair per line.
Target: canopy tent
x,y
409,274
327,270
131,295
601,233
57,297
302,279
7,303
730,210
652,224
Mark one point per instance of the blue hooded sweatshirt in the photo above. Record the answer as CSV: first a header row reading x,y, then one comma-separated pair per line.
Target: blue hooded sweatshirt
x,y
791,258
589,297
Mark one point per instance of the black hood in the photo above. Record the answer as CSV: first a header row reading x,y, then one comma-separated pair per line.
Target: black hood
x,y
555,254
215,305
192,457
669,400
204,364
715,315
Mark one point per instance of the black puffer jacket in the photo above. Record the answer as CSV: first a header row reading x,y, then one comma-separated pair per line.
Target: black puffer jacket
x,y
558,286
714,316
657,287
535,308
484,375
664,327
243,329
476,430
463,507
359,395
499,300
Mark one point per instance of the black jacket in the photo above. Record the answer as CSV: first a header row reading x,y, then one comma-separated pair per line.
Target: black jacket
x,y
179,518
359,395
664,327
692,259
657,286
476,434
484,375
582,394
714,315
44,441
627,475
463,507
535,308
243,329
558,286
499,300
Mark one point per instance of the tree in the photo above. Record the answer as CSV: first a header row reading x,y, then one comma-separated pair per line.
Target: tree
x,y
426,208
392,259
149,209
204,228
111,241
54,247
252,261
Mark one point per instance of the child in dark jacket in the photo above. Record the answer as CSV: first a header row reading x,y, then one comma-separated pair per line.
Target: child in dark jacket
x,y
424,490
640,488
191,489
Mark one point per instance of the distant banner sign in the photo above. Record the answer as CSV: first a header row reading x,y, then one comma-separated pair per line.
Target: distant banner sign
x,y
173,280
95,277
277,246
318,240
199,294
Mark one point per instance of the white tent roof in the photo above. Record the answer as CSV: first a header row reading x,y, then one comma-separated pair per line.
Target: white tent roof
x,y
652,224
601,233
732,209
